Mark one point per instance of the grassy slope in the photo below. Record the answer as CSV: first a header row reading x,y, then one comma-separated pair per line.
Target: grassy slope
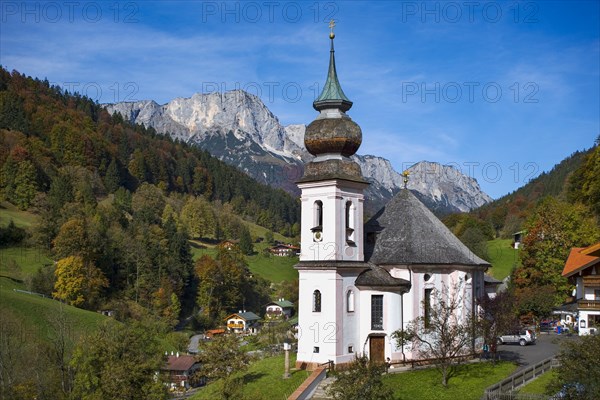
x,y
262,380
538,386
28,259
20,218
36,312
502,257
274,269
468,385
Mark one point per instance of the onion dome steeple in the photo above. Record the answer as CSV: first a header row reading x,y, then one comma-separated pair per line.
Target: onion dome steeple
x,y
332,95
332,137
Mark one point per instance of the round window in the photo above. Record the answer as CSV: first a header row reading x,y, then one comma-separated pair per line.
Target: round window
x,y
427,277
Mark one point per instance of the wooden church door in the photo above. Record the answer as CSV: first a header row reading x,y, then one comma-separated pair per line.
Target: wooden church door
x,y
377,349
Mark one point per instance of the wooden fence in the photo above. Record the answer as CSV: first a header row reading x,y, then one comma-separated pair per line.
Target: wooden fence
x,y
504,390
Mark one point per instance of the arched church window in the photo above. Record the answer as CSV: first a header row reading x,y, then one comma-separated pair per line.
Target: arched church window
x,y
350,301
427,307
317,221
349,223
318,214
377,312
316,301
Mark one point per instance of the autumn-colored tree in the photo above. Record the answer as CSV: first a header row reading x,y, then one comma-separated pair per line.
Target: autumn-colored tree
x,y
552,230
226,285
584,184
78,282
167,304
536,302
198,217
73,239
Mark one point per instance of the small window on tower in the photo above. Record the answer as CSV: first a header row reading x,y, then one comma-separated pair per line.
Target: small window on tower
x,y
349,224
317,228
315,349
350,349
316,301
350,301
318,220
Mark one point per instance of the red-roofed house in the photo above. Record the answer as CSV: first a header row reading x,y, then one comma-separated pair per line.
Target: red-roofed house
x,y
583,269
179,371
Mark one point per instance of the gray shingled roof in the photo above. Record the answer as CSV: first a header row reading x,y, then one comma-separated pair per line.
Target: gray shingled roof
x,y
377,277
406,233
491,280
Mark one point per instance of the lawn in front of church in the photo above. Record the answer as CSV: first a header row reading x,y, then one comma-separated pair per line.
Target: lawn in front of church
x,y
262,380
469,384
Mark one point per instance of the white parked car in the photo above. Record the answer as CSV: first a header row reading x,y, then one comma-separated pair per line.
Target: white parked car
x,y
523,337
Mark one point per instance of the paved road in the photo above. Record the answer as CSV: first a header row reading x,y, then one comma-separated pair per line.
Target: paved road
x,y
546,345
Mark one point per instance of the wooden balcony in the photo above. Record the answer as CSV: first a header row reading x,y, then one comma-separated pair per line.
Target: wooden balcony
x,y
583,304
232,325
591,281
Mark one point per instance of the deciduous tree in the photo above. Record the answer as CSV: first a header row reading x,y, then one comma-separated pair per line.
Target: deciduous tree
x,y
552,230
578,373
78,282
443,334
221,358
362,380
119,361
198,217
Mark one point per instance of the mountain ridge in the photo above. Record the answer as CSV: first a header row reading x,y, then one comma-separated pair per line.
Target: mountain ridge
x,y
238,128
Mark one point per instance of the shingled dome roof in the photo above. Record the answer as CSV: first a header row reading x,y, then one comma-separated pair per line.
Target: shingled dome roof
x,y
405,232
378,278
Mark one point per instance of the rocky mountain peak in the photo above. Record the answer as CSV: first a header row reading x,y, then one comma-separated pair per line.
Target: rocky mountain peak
x,y
237,127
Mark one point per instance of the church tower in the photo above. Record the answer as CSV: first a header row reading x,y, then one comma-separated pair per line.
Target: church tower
x,y
332,245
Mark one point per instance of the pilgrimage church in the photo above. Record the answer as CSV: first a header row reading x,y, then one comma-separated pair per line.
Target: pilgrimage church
x,y
359,282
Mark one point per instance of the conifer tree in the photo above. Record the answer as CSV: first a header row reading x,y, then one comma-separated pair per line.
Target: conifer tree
x,y
246,245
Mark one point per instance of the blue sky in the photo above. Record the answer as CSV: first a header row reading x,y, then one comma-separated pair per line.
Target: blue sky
x,y
502,90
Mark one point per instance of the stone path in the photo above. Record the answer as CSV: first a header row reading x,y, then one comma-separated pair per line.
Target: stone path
x,y
321,391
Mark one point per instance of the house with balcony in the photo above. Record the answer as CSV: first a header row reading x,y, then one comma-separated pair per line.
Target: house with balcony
x,y
583,269
243,322
280,309
284,250
179,369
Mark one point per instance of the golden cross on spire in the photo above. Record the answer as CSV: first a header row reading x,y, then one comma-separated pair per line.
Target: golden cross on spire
x,y
331,26
405,175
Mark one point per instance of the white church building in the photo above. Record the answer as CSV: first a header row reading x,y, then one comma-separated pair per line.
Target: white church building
x,y
359,282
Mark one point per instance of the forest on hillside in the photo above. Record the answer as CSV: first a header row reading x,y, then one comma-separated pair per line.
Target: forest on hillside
x,y
117,204
46,131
